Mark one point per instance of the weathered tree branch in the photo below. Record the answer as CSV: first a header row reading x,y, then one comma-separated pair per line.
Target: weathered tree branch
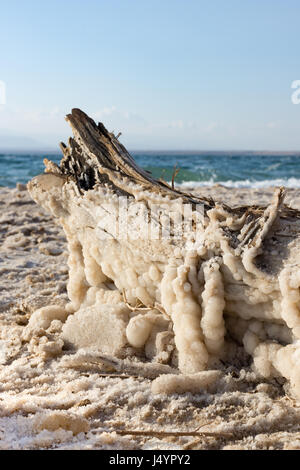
x,y
222,273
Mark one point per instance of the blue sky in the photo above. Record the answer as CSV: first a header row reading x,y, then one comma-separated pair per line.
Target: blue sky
x,y
168,74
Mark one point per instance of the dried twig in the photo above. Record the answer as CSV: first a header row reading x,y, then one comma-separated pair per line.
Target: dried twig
x,y
154,433
175,173
138,306
119,376
141,307
138,369
196,432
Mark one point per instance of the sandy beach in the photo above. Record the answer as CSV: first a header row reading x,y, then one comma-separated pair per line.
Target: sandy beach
x,y
53,398
149,227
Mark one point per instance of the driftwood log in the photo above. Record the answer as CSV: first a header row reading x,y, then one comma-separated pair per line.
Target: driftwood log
x,y
156,271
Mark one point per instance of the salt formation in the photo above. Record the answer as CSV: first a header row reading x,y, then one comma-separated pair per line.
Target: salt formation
x,y
158,273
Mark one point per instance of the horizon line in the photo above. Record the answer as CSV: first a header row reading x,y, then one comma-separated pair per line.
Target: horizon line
x,y
58,151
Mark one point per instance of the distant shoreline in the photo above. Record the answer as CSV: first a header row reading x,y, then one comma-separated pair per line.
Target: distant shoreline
x,y
166,152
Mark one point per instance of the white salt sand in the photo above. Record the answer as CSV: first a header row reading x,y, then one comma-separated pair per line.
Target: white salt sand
x,y
53,397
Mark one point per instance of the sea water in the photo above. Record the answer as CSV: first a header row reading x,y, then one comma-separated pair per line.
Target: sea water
x,y
232,169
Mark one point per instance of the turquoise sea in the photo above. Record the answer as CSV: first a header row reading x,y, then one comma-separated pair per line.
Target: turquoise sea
x,y
234,169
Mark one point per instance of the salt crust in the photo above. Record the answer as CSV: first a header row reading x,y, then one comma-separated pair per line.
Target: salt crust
x,y
53,398
207,292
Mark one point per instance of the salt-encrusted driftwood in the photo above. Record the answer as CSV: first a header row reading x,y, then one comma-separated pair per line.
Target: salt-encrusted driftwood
x,y
175,276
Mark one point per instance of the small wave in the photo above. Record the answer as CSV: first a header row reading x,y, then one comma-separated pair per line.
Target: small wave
x,y
287,182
